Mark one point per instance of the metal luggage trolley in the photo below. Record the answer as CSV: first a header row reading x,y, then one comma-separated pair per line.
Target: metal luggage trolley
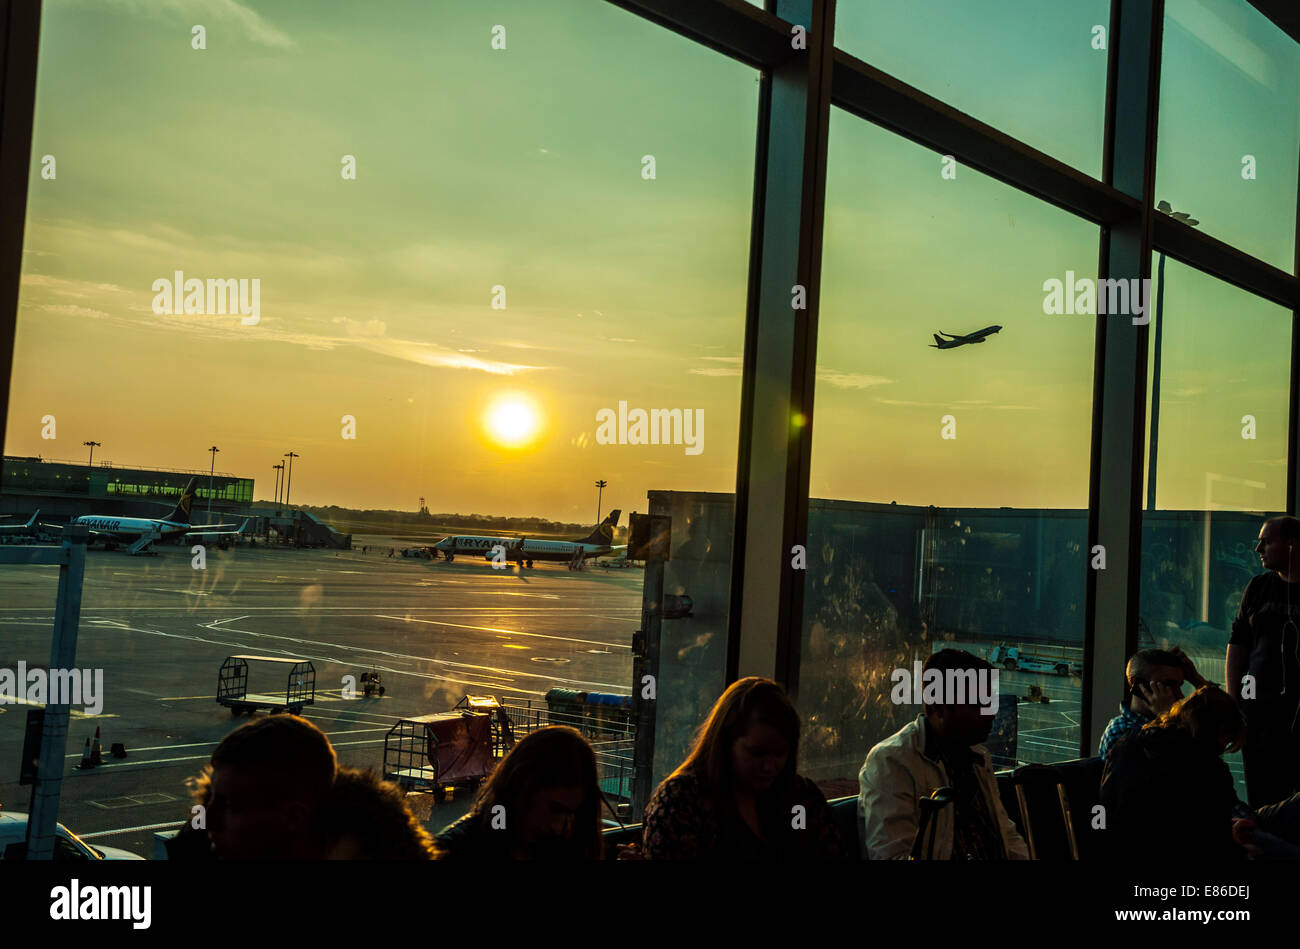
x,y
232,685
445,749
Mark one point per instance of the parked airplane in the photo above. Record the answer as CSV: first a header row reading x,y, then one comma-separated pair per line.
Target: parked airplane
x,y
952,341
141,532
20,528
524,551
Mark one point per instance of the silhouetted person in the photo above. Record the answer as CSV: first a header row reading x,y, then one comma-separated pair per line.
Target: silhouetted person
x,y
1265,644
1166,789
737,794
264,787
541,803
1154,681
365,818
942,747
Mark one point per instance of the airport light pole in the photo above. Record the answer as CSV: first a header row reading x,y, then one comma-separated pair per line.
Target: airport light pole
x,y
93,446
214,449
600,485
291,455
1165,208
279,470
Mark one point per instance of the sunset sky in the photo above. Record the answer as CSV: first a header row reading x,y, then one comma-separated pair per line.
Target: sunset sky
x,y
522,168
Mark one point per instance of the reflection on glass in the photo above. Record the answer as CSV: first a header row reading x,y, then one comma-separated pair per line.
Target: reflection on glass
x,y
958,473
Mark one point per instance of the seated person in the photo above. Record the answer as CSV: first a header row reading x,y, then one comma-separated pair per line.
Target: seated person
x,y
541,803
1166,789
1154,682
264,789
365,818
942,747
737,795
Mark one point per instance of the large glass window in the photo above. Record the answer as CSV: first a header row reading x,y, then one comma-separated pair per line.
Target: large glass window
x,y
1219,386
467,252
1034,70
1230,125
950,472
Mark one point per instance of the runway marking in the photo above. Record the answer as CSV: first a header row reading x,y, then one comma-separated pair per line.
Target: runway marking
x,y
72,712
165,761
132,830
356,610
298,654
511,673
213,744
498,629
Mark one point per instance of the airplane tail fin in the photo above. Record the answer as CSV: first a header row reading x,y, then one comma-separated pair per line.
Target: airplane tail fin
x,y
604,533
32,523
938,340
181,512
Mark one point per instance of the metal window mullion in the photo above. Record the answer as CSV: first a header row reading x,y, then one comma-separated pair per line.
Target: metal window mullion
x,y
1293,415
780,356
1120,372
20,26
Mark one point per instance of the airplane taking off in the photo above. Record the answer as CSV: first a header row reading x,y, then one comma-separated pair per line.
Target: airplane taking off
x,y
953,341
523,551
20,528
141,532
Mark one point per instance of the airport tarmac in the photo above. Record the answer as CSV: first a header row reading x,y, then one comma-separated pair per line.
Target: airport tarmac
x,y
435,631
160,630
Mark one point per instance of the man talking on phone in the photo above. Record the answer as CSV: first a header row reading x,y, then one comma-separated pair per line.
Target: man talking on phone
x,y
1154,680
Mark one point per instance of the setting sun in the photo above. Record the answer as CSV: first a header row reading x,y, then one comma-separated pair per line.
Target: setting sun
x,y
512,421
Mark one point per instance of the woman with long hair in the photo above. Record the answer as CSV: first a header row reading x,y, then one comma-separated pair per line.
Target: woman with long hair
x,y
541,803
737,794
1167,790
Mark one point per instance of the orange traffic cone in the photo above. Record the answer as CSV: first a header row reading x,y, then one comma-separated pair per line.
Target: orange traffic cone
x,y
96,752
86,761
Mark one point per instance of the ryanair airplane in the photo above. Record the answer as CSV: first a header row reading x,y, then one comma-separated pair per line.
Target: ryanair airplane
x,y
523,551
141,532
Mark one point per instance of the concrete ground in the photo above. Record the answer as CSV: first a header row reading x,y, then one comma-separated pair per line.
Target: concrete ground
x,y
160,629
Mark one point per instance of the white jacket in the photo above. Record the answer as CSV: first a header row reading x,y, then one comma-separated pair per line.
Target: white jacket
x,y
895,775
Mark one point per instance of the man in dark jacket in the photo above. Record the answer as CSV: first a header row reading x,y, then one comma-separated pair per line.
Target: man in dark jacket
x,y
1263,665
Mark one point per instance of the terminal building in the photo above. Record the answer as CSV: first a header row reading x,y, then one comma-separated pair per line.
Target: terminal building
x,y
63,489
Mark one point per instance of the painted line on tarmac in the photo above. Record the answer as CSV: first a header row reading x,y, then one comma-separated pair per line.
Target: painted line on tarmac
x,y
497,629
133,830
472,669
213,744
358,610
298,654
163,762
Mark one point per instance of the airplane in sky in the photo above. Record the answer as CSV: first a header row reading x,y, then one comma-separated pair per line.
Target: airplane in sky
x,y
140,532
953,341
524,551
20,528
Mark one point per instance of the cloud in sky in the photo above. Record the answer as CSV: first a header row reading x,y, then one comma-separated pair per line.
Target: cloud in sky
x,y
207,12
370,335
